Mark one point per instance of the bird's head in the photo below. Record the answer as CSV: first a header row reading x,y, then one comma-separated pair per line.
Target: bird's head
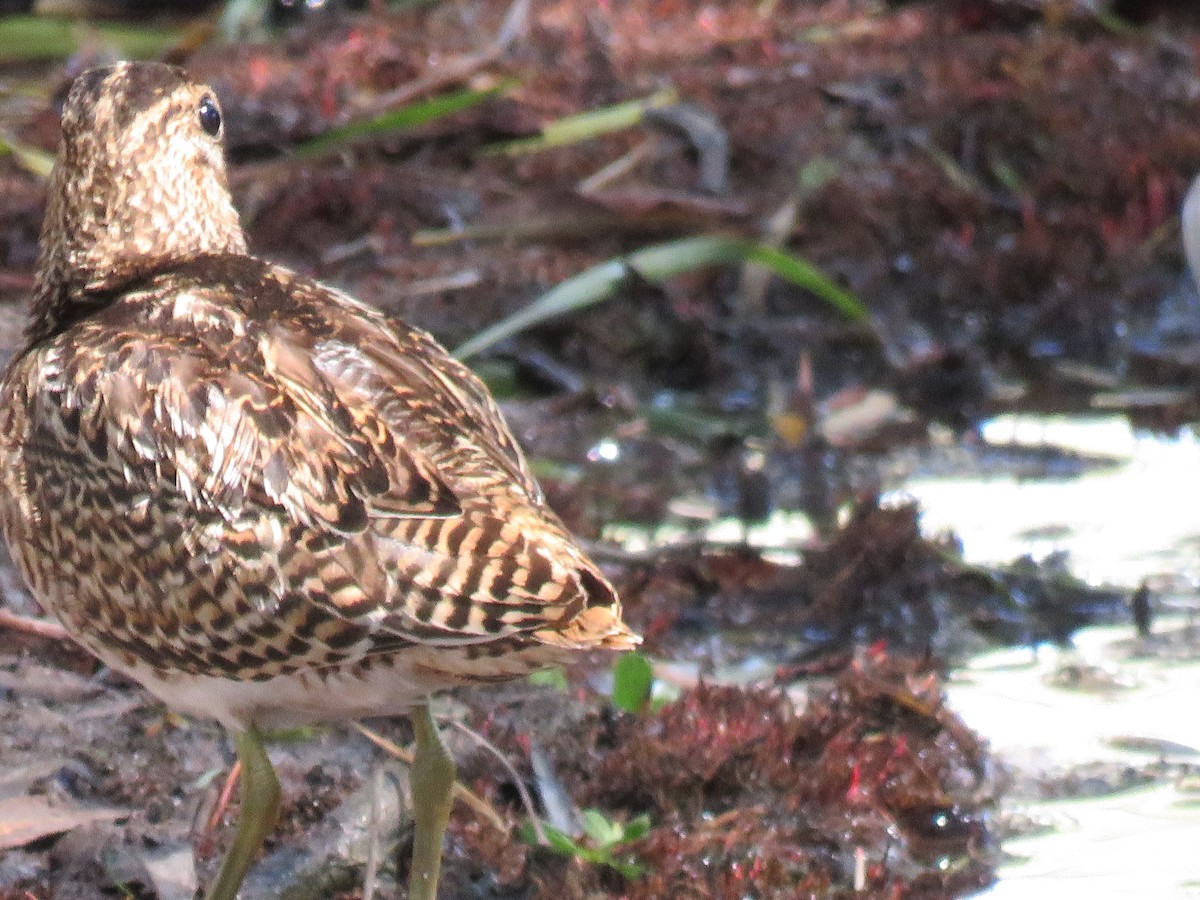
x,y
139,183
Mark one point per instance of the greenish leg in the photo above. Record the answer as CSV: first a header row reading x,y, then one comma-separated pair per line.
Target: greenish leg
x,y
260,809
432,780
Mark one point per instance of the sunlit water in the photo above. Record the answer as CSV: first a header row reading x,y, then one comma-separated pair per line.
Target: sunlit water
x,y
1120,525
1137,520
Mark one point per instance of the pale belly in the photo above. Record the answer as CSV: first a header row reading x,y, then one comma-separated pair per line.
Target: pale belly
x,y
286,700
389,686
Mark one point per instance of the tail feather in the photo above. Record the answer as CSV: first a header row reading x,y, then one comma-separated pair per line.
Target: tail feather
x,y
598,627
598,624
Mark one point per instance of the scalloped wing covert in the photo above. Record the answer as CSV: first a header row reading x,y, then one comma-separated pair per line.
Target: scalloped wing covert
x,y
330,482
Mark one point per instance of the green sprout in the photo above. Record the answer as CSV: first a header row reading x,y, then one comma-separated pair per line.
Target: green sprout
x,y
408,116
633,680
553,677
601,842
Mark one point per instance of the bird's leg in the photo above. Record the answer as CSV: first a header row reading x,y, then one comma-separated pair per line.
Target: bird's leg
x,y
260,808
431,778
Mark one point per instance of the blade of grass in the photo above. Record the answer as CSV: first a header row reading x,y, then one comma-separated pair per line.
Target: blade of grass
x,y
32,38
35,161
409,116
954,173
804,274
656,264
1113,23
585,126
557,226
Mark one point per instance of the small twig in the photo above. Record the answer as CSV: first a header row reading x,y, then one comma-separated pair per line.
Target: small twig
x,y
530,810
547,226
204,845
374,826
455,281
561,811
481,807
46,628
621,166
339,253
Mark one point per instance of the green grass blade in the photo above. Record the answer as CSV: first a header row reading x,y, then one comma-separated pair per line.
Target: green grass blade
x,y
637,828
37,162
32,38
587,125
806,275
409,116
656,264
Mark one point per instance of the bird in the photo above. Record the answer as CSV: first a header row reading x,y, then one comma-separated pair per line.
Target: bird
x,y
265,501
1189,216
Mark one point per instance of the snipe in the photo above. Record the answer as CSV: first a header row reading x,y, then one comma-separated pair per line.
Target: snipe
x,y
261,499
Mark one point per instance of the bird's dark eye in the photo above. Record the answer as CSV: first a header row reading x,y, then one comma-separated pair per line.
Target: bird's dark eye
x,y
210,116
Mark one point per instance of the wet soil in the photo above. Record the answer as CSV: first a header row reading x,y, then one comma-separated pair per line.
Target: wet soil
x,y
998,182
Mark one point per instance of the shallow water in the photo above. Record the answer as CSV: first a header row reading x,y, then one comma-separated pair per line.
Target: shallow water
x,y
1132,722
1136,520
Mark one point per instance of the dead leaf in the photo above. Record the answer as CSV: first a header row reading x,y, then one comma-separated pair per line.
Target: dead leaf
x,y
26,819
